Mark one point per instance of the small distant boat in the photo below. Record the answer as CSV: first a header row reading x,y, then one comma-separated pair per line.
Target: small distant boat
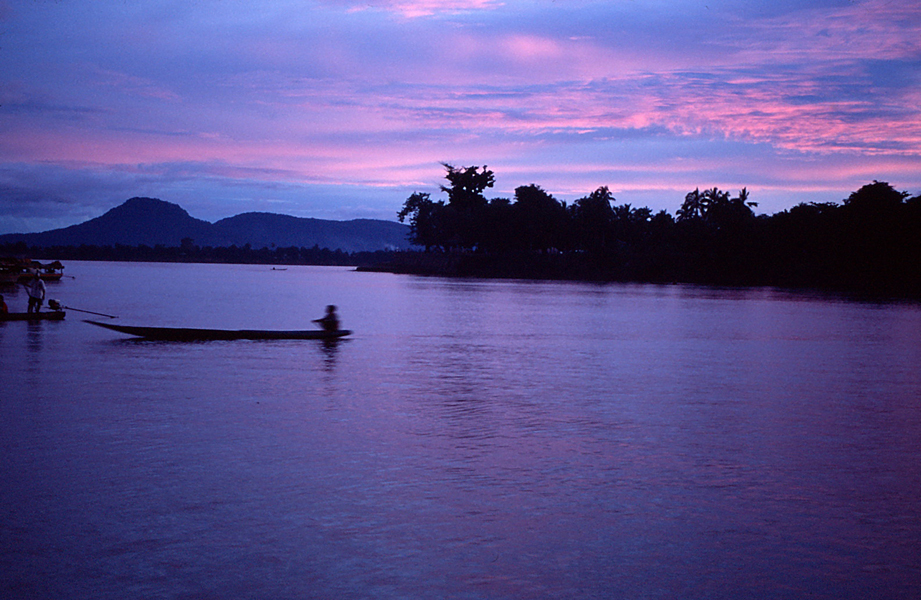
x,y
185,334
52,315
53,271
13,270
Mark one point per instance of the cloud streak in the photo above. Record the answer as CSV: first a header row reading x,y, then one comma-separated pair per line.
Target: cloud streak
x,y
341,109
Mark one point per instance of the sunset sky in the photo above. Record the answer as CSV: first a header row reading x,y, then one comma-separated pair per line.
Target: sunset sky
x,y
340,109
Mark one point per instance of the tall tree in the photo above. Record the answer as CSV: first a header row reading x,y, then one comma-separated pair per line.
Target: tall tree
x,y
467,206
426,220
875,199
539,219
876,237
692,207
591,217
467,186
725,212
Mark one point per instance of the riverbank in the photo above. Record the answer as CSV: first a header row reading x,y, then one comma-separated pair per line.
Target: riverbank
x,y
582,267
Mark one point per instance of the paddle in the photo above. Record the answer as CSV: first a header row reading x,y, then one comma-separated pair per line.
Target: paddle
x,y
90,312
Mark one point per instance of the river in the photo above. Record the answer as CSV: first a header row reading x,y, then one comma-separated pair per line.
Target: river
x,y
473,439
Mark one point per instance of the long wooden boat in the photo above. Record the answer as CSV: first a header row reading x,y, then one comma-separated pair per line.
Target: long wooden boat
x,y
185,334
51,315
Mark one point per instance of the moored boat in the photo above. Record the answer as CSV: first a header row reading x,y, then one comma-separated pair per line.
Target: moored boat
x,y
13,270
186,334
52,271
51,315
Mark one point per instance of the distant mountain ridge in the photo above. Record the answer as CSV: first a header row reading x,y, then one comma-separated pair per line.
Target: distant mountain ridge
x,y
152,222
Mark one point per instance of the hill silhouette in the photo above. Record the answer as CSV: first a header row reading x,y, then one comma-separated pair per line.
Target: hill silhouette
x,y
264,230
153,222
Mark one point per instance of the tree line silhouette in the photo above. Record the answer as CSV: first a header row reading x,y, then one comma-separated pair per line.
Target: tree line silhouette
x,y
871,243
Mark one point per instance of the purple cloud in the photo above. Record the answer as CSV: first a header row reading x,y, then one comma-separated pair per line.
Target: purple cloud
x,y
339,109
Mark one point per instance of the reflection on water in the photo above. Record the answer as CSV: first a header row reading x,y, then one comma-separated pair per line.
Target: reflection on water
x,y
473,439
34,329
330,349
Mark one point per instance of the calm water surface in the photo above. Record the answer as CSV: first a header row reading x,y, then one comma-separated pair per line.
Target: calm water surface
x,y
473,439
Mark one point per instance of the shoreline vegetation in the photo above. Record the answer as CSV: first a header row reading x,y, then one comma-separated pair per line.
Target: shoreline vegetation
x,y
870,245
190,253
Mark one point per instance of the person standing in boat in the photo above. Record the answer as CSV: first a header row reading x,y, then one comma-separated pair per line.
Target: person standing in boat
x,y
329,322
36,290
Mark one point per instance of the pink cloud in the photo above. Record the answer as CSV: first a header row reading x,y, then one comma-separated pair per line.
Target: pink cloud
x,y
528,48
378,97
880,29
132,85
417,8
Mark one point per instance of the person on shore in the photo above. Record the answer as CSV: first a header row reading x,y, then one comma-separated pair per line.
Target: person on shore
x,y
4,309
36,291
330,321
